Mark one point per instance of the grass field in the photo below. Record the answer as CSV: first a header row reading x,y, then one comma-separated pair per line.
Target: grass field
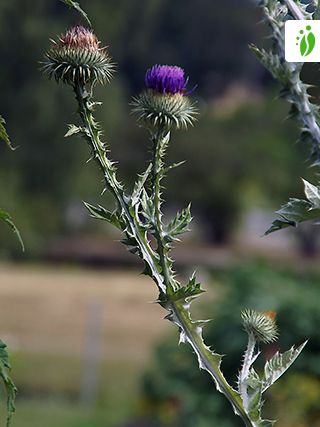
x,y
46,317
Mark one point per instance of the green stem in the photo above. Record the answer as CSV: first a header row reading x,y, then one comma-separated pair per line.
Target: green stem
x,y
99,152
160,141
294,9
247,363
163,275
207,360
181,315
289,73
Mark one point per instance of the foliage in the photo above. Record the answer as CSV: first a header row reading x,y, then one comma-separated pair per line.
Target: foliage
x,y
5,216
161,33
297,210
11,389
139,215
3,133
173,381
295,91
75,5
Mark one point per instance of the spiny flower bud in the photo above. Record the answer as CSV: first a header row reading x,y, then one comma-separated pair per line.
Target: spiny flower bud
x,y
261,324
165,102
77,58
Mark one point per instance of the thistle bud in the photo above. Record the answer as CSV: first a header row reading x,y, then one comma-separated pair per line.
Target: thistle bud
x,y
165,101
76,57
260,324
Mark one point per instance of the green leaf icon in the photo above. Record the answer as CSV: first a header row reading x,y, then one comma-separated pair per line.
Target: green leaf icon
x,y
307,44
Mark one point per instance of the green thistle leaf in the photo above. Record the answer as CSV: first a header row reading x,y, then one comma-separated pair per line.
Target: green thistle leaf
x,y
278,365
74,130
179,225
139,186
4,134
298,210
4,216
312,193
10,387
147,208
75,5
98,212
192,290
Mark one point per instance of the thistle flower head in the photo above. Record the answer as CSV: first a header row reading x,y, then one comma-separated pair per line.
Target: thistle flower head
x,y
166,79
164,102
76,57
79,37
261,324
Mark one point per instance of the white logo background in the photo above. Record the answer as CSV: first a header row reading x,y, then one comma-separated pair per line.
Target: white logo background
x,y
295,30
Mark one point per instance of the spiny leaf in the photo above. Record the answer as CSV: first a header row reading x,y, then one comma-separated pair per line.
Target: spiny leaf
x,y
312,193
294,90
4,216
4,134
11,389
298,210
73,130
98,212
179,224
147,207
75,5
139,185
174,166
278,364
185,293
253,380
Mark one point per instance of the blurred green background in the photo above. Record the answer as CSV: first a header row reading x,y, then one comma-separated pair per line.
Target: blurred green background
x,y
87,348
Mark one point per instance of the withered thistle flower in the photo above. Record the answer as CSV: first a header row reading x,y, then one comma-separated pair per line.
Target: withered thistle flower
x,y
261,324
76,57
165,101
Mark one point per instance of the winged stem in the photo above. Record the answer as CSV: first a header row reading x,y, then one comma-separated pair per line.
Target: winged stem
x,y
159,268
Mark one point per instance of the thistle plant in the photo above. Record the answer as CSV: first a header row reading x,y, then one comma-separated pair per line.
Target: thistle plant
x,y
296,92
5,366
77,60
4,215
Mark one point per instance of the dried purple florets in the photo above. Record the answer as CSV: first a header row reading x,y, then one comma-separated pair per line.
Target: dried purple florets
x,y
78,37
166,79
76,58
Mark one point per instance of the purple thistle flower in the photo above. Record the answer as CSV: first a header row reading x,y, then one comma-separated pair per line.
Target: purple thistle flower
x,y
166,79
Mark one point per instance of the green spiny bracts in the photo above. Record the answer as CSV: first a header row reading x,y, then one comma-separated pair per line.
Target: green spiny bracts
x,y
164,109
76,57
261,324
261,327
165,103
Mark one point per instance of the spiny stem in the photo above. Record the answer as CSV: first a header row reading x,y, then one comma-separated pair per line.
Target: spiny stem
x,y
205,361
160,140
295,91
99,151
163,278
247,363
294,9
181,314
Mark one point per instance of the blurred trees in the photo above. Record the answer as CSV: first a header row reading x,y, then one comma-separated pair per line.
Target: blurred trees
x,y
227,155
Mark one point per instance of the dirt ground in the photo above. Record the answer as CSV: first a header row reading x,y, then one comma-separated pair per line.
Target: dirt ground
x,y
54,310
